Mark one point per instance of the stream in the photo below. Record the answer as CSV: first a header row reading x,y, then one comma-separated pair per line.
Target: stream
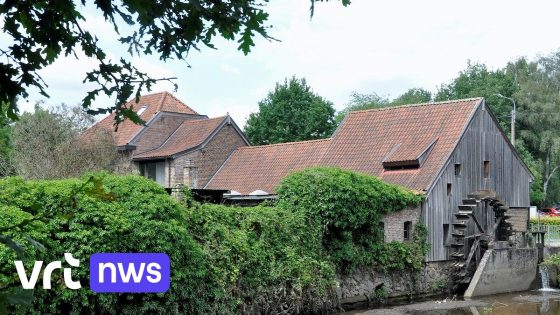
x,y
544,301
520,303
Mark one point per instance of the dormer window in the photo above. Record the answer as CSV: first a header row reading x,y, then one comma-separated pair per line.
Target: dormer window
x,y
141,110
408,155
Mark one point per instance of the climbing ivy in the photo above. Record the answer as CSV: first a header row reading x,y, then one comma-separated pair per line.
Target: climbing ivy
x,y
346,208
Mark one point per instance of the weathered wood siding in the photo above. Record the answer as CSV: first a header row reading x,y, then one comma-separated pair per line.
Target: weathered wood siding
x,y
481,142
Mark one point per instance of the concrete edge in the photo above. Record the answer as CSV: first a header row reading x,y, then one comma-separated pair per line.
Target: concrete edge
x,y
481,267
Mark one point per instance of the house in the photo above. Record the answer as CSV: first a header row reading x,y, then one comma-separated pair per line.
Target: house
x,y
453,152
176,146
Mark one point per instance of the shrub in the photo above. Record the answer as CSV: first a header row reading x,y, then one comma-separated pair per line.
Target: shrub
x,y
544,220
131,214
262,260
346,207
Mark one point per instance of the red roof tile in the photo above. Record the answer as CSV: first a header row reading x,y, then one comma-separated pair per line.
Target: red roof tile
x,y
262,167
362,142
157,102
188,135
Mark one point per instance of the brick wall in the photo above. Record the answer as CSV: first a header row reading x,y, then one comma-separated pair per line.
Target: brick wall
x,y
208,159
394,223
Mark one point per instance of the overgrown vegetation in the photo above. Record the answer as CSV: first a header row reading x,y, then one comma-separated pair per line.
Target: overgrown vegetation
x,y
130,214
264,259
347,208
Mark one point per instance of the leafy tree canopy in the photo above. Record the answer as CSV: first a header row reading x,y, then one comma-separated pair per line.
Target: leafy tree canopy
x,y
46,144
359,101
413,96
538,100
478,81
292,112
5,144
42,31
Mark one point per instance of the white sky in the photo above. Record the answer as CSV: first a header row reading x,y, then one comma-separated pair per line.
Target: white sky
x,y
385,47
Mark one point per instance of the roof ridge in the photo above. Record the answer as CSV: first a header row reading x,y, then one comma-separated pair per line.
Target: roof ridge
x,y
183,103
205,119
283,144
160,105
418,104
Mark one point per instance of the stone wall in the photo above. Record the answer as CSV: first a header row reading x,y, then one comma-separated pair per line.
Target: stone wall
x,y
207,160
361,286
393,223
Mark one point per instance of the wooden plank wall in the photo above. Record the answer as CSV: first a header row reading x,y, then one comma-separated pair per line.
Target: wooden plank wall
x,y
481,142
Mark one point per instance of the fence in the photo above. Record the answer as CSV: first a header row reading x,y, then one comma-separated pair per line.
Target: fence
x,y
552,236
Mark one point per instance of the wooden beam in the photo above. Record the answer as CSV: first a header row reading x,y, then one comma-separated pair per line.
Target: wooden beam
x,y
477,224
471,254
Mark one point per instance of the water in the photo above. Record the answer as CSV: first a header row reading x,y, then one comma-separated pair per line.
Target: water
x,y
545,280
521,303
544,301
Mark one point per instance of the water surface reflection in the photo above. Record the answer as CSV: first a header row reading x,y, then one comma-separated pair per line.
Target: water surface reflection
x,y
522,303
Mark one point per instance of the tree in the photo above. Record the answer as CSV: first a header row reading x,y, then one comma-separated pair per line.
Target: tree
x,y
478,81
359,101
42,31
538,98
5,142
47,145
413,96
292,112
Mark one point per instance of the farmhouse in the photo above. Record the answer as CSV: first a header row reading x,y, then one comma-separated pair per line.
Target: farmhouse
x,y
455,153
176,146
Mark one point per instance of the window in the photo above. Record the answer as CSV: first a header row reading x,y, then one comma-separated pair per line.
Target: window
x,y
382,230
156,172
449,189
141,110
457,169
407,231
445,237
486,169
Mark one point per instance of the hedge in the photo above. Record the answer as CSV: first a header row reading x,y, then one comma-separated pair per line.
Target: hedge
x,y
133,215
279,258
544,220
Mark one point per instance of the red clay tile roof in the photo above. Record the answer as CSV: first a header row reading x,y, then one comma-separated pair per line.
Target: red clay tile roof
x,y
362,142
262,167
188,135
157,102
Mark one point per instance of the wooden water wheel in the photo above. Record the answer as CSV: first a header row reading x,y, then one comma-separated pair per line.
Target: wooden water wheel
x,y
480,221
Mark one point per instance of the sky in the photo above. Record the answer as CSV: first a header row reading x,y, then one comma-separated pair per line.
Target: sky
x,y
384,47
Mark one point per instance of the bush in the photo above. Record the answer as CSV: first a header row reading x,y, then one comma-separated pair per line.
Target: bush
x,y
346,208
262,259
126,214
278,258
544,220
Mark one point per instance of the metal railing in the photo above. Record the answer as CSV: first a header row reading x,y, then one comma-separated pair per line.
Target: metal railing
x,y
552,236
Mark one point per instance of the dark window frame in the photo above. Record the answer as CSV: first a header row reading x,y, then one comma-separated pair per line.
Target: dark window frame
x,y
407,230
458,169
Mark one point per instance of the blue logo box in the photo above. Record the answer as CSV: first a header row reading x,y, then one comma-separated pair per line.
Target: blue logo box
x,y
129,272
